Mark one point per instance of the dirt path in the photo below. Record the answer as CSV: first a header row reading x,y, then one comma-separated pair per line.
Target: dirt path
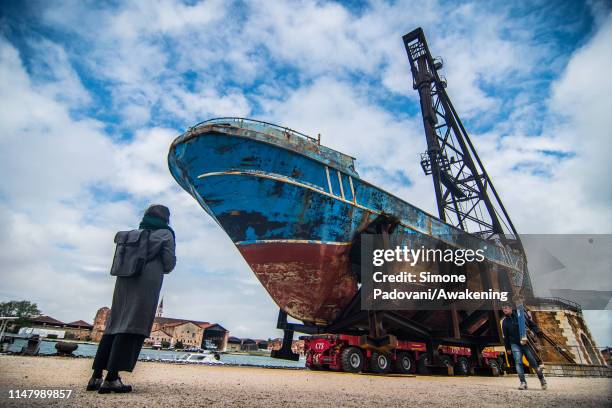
x,y
166,385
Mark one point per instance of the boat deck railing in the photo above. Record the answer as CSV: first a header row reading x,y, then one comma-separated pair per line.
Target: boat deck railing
x,y
245,123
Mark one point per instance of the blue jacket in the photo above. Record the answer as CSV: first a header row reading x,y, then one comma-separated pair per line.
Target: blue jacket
x,y
510,329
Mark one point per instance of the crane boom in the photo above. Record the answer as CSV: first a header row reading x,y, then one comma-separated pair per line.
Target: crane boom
x,y
465,195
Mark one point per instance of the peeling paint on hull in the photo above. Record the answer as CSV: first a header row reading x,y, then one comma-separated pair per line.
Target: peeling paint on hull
x,y
292,207
309,279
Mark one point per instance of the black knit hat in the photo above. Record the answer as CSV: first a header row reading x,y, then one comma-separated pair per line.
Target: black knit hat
x,y
159,211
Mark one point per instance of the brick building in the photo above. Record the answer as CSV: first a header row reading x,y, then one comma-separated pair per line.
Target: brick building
x,y
78,330
192,333
159,336
188,333
562,321
99,323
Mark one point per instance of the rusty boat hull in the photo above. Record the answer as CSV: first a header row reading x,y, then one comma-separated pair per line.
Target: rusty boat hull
x,y
293,209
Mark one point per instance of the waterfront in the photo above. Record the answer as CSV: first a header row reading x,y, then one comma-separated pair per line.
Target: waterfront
x,y
89,350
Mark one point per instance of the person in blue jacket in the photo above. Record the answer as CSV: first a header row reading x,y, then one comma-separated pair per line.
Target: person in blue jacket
x,y
514,341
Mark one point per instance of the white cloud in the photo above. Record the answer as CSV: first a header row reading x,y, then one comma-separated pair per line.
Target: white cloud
x,y
57,232
205,102
349,122
46,153
54,75
575,196
581,98
140,163
139,46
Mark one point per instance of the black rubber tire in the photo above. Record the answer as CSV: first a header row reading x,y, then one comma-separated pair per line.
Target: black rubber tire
x,y
422,364
352,360
462,366
380,363
404,364
446,360
495,368
502,364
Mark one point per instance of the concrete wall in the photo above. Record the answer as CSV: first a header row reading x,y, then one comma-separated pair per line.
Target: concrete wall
x,y
576,370
99,323
569,330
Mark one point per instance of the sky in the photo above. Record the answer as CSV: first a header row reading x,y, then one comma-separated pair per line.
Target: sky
x,y
92,93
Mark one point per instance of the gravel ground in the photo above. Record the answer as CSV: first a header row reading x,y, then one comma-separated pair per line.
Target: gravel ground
x,y
158,384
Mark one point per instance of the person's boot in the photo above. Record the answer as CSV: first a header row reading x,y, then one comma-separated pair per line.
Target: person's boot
x,y
523,386
543,383
114,386
94,384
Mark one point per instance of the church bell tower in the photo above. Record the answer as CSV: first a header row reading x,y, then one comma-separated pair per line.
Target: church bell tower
x,y
160,308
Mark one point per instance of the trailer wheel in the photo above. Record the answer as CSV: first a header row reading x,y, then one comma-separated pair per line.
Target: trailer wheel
x,y
495,368
502,363
446,360
404,364
422,364
462,367
352,360
380,363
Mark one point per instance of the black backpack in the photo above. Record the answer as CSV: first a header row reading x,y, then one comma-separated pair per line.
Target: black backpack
x,y
131,253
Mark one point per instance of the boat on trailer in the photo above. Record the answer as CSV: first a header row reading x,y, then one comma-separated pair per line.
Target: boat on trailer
x,y
296,211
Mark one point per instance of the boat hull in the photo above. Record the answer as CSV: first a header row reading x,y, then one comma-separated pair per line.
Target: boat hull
x,y
294,217
308,280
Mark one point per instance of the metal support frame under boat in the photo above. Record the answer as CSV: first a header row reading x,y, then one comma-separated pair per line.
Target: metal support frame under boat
x,y
374,326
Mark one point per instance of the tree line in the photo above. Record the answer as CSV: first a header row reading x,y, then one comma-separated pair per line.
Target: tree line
x,y
22,309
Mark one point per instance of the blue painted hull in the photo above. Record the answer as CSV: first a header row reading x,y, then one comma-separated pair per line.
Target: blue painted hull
x,y
274,190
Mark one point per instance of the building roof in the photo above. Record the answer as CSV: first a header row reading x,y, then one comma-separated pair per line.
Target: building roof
x,y
164,332
179,323
172,322
166,321
42,319
79,323
216,326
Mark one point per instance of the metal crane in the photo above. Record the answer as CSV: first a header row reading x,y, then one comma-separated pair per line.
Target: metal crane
x,y
465,195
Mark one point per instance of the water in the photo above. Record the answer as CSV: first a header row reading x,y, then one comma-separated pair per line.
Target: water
x,y
89,350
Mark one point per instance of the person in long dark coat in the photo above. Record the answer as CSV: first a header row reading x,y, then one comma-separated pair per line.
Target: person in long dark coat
x,y
134,305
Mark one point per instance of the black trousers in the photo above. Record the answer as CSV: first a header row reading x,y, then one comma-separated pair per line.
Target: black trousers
x,y
118,352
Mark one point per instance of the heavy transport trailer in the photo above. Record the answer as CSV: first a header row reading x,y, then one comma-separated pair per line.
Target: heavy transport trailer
x,y
352,354
452,340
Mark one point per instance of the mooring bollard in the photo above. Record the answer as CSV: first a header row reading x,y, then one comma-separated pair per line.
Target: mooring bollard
x,y
65,349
